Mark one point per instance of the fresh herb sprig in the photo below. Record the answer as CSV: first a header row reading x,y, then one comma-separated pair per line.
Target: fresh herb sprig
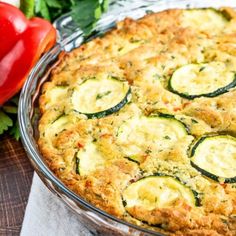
x,y
84,12
8,118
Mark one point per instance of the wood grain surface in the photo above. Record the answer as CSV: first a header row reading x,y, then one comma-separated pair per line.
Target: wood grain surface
x,y
15,181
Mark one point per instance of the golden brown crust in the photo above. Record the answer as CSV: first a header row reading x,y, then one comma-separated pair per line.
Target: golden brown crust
x,y
145,53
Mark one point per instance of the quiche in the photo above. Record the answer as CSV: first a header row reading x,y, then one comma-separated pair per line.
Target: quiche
x,y
141,121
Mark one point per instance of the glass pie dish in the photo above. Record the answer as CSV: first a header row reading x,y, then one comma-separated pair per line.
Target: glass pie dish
x,y
70,37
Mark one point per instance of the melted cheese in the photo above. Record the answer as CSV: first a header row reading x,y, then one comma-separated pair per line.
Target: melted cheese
x,y
145,134
90,159
57,126
157,192
207,20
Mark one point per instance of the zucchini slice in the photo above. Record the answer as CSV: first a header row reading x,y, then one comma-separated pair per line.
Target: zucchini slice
x,y
157,192
139,135
54,95
208,20
98,97
88,159
205,79
58,125
215,157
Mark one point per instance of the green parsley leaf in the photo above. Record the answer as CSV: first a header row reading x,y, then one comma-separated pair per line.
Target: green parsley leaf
x,y
51,9
54,3
5,122
84,12
15,100
15,131
87,12
104,5
8,117
42,9
10,109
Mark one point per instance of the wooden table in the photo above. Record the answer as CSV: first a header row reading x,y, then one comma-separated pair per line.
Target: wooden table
x,y
15,181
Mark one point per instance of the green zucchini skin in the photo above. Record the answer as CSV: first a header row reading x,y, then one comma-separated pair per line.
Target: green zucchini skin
x,y
209,95
204,172
212,176
217,11
132,159
164,115
77,162
173,117
224,14
107,112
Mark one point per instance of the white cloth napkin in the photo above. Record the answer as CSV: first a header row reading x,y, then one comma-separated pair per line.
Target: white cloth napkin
x,y
47,215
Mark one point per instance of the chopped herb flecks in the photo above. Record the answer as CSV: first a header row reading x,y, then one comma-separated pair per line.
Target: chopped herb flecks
x,y
202,68
101,95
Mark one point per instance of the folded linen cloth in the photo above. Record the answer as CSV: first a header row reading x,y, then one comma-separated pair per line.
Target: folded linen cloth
x,y
47,215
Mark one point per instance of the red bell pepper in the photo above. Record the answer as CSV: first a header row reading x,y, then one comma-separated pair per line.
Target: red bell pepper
x,y
22,42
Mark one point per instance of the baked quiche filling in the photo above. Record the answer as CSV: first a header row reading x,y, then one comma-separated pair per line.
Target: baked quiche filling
x,y
141,122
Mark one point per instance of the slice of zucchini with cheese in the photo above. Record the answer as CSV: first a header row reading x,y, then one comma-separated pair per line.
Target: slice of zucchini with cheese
x,y
53,96
215,157
210,20
98,97
61,123
157,192
89,159
138,136
205,79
